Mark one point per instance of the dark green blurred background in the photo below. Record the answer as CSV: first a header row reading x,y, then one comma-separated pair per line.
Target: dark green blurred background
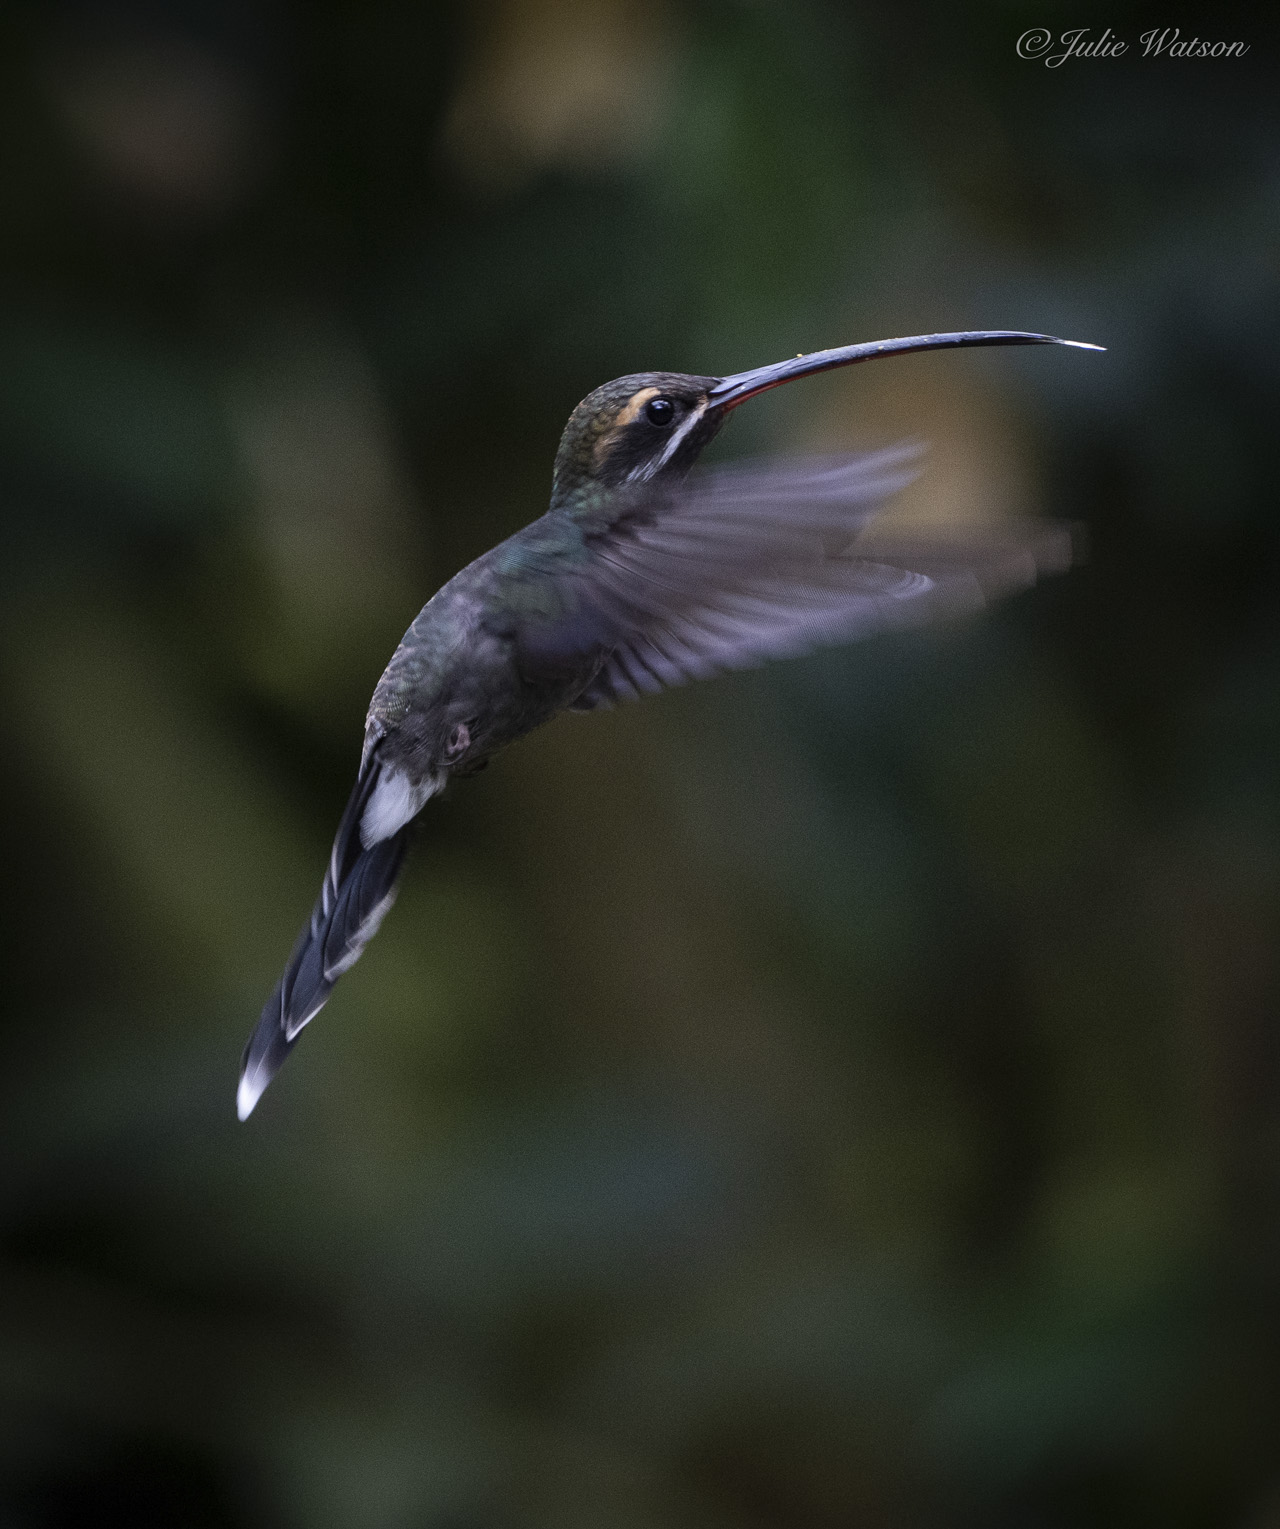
x,y
846,1094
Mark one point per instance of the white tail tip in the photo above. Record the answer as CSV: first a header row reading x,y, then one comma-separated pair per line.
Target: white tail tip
x,y
252,1087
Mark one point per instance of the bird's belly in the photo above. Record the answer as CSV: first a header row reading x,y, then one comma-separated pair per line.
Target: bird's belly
x,y
532,704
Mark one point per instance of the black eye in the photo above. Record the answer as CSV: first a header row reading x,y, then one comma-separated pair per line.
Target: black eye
x,y
660,412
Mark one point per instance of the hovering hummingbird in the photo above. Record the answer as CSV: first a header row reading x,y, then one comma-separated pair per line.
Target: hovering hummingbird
x,y
638,576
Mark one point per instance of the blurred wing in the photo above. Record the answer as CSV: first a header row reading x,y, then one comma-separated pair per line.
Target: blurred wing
x,y
765,561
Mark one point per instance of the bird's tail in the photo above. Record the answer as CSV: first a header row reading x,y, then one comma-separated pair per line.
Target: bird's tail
x,y
359,887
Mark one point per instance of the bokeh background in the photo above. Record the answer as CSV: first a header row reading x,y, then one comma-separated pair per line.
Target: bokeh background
x,y
845,1094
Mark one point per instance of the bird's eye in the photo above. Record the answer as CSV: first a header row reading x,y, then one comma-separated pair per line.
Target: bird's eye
x,y
459,741
660,412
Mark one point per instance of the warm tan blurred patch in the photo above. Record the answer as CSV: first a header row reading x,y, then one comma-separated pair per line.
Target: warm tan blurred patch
x,y
568,84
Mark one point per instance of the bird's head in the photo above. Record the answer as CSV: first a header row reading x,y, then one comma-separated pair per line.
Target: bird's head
x,y
634,429
653,425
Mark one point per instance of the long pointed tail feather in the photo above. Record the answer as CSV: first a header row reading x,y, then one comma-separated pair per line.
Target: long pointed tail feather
x,y
359,887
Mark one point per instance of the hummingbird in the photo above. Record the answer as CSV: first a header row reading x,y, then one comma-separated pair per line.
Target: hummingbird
x,y
641,575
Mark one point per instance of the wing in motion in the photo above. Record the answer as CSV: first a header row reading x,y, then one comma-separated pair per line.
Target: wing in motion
x,y
768,560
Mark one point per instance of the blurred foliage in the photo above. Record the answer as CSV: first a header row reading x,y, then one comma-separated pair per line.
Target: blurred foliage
x,y
843,1094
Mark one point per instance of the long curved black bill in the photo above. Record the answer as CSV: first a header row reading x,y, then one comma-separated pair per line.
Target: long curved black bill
x,y
729,392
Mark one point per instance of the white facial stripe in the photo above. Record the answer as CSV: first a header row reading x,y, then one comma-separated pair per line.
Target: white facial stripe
x,y
646,470
395,800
